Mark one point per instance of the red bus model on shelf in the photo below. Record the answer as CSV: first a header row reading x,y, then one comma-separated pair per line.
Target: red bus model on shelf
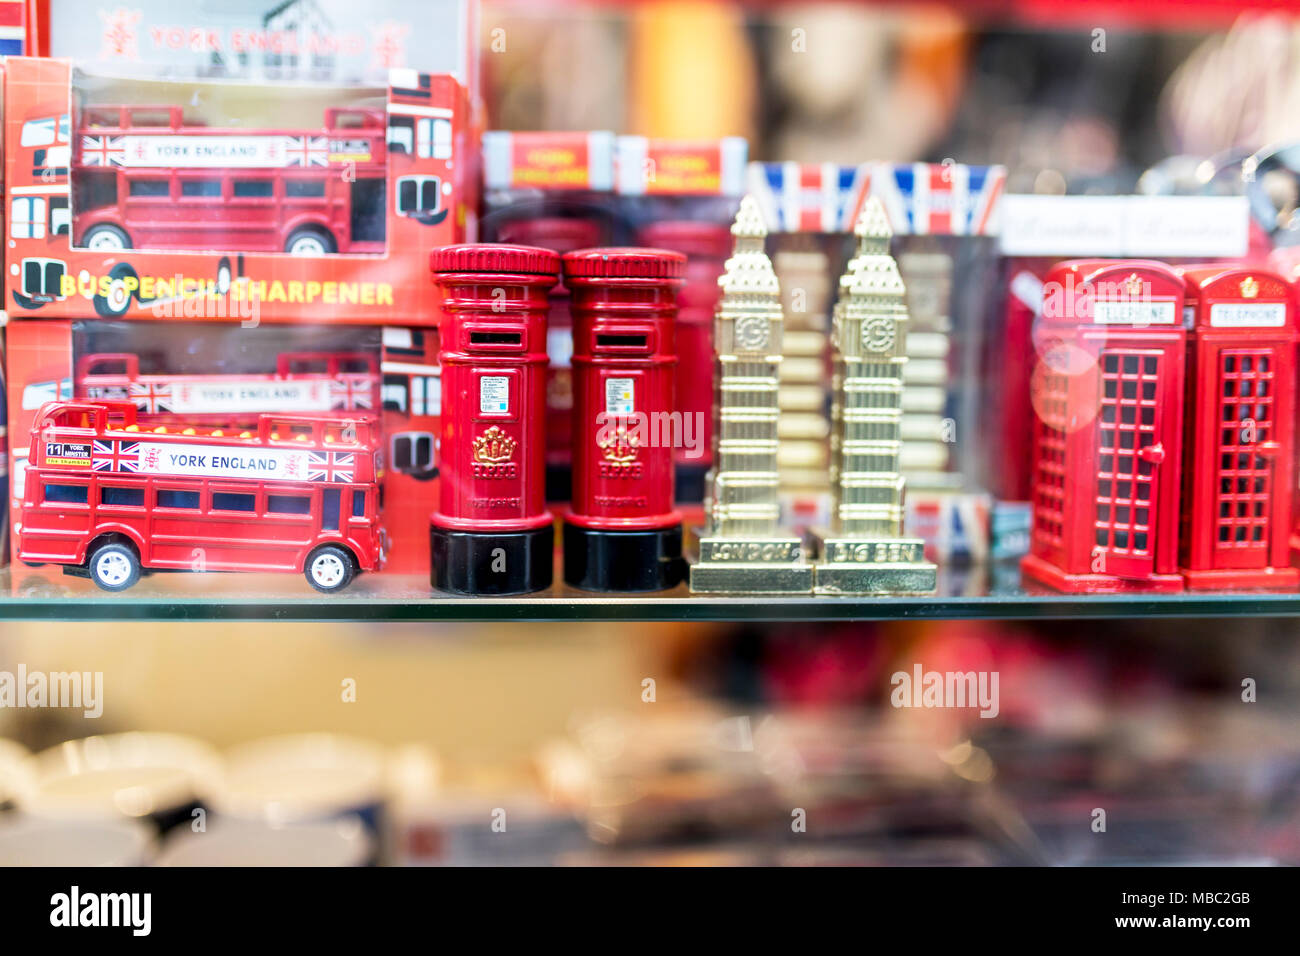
x,y
108,499
1108,428
306,382
143,178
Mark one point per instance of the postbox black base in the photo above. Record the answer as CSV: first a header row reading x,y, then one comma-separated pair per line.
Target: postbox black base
x,y
493,564
623,560
559,482
689,483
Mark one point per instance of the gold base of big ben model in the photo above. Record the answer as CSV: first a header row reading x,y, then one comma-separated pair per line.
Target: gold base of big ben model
x,y
750,566
743,549
864,551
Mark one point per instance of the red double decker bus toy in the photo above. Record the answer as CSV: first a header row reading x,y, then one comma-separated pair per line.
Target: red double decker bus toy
x,y
1241,405
1108,428
107,498
303,382
145,179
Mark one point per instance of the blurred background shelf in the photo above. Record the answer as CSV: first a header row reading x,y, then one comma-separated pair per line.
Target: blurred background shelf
x,y
967,594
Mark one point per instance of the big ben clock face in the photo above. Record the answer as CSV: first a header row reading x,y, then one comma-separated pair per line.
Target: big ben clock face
x,y
878,333
752,332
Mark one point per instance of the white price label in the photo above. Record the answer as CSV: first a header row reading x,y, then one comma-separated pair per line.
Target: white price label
x,y
620,396
494,395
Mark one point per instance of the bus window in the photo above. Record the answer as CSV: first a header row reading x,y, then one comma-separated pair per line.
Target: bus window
x,y
201,188
254,188
122,497
60,216
358,504
418,194
394,393
434,138
38,132
64,126
329,507
401,134
27,218
66,494
288,504
309,366
354,366
304,188
149,188
176,498
234,501
412,451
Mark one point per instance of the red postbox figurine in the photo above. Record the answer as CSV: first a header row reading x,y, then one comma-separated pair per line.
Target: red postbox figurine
x,y
623,533
1237,490
1108,428
706,246
492,533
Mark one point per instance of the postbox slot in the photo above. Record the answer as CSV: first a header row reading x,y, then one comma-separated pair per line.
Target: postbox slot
x,y
621,340
496,338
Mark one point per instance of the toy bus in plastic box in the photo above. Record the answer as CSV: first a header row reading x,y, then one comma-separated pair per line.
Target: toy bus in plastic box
x,y
303,382
107,499
144,178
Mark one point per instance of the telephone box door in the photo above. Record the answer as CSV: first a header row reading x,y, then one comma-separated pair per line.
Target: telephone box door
x,y
1130,452
1247,457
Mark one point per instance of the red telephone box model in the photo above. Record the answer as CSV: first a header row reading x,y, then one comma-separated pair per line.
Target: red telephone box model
x,y
1108,428
623,533
105,498
1237,492
492,533
145,179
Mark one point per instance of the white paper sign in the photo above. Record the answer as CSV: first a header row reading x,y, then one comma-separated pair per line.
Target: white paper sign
x,y
223,461
620,396
494,395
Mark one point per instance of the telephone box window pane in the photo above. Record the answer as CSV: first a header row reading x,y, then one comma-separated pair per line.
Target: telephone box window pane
x,y
175,498
233,501
66,494
206,188
149,188
288,504
304,188
130,497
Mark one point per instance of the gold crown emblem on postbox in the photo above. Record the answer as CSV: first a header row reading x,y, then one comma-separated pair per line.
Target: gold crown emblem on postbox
x,y
620,448
1249,287
493,445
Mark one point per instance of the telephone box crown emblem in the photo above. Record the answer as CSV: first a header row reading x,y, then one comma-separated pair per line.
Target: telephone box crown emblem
x,y
493,445
620,447
1133,285
1249,287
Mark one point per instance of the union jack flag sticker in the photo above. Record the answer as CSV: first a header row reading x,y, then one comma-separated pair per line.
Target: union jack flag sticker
x,y
307,150
330,466
151,397
347,393
103,150
115,455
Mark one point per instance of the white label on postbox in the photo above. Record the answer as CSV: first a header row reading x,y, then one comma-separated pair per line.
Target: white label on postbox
x,y
620,396
1238,315
1135,312
494,395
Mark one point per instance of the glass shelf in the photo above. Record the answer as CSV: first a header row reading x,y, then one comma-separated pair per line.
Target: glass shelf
x,y
994,592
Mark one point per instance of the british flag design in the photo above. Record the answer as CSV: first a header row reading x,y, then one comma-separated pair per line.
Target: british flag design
x,y
151,397
307,150
348,393
330,466
110,455
809,197
103,150
940,199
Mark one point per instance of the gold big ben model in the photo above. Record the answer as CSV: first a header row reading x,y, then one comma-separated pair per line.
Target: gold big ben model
x,y
742,549
864,551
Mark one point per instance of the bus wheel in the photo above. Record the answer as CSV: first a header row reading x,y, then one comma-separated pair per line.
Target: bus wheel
x,y
106,238
114,566
118,300
310,241
329,569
